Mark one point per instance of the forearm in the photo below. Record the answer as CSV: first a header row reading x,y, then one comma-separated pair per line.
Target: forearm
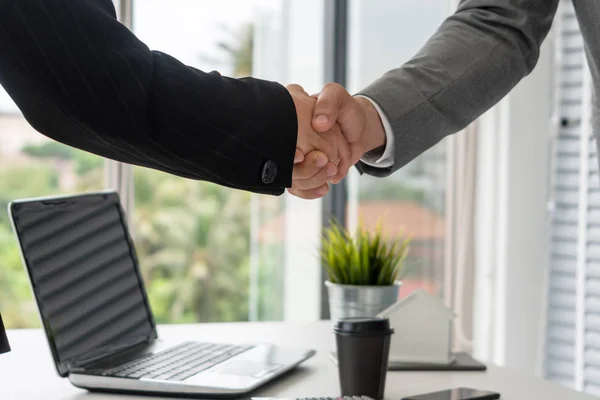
x,y
225,129
82,78
475,58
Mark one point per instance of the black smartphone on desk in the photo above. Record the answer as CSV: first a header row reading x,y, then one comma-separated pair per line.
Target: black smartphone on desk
x,y
456,394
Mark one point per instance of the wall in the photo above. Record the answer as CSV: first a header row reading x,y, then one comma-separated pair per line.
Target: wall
x,y
512,222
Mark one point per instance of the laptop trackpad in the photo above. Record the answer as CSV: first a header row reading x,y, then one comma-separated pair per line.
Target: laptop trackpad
x,y
248,368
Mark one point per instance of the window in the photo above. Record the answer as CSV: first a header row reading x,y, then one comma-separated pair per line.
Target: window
x,y
572,334
383,35
209,253
32,165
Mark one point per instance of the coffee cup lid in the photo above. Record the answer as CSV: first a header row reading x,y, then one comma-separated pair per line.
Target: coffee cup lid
x,y
364,326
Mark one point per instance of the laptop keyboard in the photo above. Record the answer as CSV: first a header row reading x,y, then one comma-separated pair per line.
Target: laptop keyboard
x,y
177,363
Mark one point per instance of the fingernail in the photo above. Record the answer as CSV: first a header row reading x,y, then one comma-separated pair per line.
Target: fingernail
x,y
331,170
298,158
321,119
321,160
323,191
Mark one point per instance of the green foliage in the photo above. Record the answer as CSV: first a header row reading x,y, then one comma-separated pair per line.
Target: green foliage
x,y
393,191
16,300
49,149
84,161
87,162
192,239
241,52
238,49
271,281
34,179
363,259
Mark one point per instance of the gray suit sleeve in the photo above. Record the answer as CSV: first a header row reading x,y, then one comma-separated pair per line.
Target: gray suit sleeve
x,y
473,60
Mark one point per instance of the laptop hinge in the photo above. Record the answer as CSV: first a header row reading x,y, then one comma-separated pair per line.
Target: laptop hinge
x,y
105,352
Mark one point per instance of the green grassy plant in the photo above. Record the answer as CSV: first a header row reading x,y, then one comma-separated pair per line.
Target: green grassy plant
x,y
362,259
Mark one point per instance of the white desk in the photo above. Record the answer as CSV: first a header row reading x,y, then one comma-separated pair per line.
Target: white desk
x,y
28,373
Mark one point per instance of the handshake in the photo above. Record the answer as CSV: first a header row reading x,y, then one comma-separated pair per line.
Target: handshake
x,y
335,130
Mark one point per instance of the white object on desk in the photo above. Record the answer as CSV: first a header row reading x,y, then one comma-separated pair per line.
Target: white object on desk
x,y
422,329
27,373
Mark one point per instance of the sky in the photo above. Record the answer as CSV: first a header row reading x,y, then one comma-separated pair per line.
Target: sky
x,y
188,29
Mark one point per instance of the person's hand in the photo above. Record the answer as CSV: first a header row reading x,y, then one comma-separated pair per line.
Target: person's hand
x,y
312,175
319,156
357,117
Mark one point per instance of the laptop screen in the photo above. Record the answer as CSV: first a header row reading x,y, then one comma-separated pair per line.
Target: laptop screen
x,y
84,273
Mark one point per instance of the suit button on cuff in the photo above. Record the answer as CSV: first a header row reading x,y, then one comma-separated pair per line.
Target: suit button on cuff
x,y
269,172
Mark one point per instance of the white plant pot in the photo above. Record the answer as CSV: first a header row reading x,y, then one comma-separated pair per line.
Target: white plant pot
x,y
347,301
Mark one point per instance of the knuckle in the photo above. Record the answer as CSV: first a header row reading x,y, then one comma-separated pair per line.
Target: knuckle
x,y
332,87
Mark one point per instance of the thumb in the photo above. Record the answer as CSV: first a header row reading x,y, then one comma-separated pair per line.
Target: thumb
x,y
327,108
295,88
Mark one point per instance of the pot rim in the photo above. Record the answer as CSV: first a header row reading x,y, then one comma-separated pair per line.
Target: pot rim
x,y
395,284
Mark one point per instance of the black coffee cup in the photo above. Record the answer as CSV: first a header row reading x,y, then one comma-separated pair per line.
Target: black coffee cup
x,y
363,346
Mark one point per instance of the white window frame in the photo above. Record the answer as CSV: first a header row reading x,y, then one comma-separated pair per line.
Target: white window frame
x,y
303,223
119,176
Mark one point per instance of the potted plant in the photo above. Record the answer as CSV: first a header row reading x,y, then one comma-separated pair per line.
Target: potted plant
x,y
363,270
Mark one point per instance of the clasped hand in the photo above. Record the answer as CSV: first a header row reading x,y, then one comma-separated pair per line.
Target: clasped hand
x,y
335,130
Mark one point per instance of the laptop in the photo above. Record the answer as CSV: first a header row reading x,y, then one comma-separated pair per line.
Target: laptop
x,y
86,280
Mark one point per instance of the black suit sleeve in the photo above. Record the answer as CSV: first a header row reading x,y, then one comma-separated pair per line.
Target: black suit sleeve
x,y
82,78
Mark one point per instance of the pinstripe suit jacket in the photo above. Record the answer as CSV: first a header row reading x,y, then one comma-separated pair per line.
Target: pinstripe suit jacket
x,y
82,78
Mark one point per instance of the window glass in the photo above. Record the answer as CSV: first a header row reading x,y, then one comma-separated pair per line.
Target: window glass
x,y
382,36
209,253
32,165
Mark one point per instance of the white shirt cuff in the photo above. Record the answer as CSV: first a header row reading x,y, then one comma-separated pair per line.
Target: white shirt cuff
x,y
379,160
